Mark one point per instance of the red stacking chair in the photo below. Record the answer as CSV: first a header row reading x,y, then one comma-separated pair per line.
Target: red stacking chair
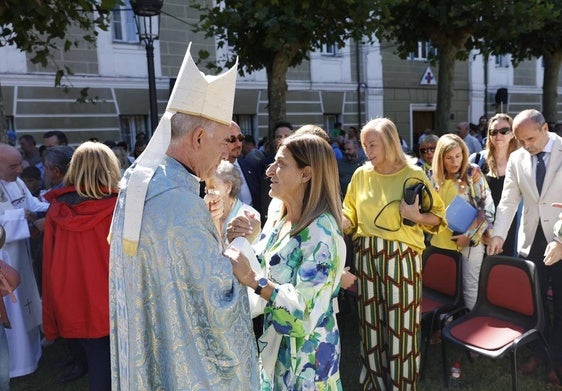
x,y
508,313
442,291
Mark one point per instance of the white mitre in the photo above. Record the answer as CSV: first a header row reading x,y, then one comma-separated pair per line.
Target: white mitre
x,y
194,93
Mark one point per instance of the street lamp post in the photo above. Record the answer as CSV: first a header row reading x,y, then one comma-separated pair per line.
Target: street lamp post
x,y
147,19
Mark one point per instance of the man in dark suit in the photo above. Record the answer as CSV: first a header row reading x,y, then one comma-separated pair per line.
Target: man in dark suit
x,y
250,169
534,174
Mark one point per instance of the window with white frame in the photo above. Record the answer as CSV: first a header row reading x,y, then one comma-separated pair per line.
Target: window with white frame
x,y
502,61
131,125
123,25
424,52
329,50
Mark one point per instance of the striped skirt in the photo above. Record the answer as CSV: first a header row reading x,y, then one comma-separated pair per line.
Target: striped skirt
x,y
389,289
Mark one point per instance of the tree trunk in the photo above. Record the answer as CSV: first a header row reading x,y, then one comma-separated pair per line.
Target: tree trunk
x,y
277,91
552,63
445,88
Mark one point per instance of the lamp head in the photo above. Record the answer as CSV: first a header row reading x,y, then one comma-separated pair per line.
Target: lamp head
x,y
147,7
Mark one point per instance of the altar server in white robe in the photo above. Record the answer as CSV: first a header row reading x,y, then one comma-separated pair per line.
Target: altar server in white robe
x,y
18,208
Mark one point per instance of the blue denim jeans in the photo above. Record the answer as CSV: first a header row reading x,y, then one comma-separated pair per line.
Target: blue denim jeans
x,y
4,361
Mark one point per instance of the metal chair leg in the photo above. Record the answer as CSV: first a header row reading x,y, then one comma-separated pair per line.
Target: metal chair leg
x,y
423,362
444,360
514,369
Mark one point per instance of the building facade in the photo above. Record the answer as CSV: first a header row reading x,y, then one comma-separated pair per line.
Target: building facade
x,y
349,85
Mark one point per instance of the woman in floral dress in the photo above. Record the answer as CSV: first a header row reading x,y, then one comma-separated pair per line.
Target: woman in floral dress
x,y
303,256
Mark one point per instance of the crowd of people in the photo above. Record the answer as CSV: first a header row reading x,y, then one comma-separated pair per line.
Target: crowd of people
x,y
153,265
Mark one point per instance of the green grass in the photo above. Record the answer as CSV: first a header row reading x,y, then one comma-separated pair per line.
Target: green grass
x,y
482,374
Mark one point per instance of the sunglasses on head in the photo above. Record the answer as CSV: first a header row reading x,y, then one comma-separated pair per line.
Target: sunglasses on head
x,y
233,139
504,131
426,150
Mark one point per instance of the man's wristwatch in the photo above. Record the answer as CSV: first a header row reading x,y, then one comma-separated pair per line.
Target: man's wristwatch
x,y
262,283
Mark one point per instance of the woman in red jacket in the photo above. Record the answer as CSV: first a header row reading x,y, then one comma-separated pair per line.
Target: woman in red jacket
x,y
76,257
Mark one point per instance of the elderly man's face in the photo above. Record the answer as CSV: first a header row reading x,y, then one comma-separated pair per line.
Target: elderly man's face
x,y
10,164
216,148
461,130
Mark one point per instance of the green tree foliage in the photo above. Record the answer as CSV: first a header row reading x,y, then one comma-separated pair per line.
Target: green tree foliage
x,y
277,35
454,28
39,27
540,36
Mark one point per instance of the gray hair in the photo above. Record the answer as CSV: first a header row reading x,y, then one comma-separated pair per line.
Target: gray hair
x,y
181,124
58,157
228,173
430,139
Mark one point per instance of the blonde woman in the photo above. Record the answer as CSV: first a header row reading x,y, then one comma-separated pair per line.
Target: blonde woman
x,y
454,175
500,142
76,257
388,259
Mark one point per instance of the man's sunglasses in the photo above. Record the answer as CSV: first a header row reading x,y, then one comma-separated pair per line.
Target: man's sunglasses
x,y
504,131
426,150
233,139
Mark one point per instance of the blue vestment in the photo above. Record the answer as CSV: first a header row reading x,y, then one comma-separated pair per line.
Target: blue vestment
x,y
179,318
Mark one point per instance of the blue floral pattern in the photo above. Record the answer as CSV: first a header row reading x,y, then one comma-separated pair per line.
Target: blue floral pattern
x,y
306,269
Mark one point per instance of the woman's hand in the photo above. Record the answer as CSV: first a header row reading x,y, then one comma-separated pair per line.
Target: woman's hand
x,y
346,224
246,225
411,212
214,204
462,240
347,278
241,267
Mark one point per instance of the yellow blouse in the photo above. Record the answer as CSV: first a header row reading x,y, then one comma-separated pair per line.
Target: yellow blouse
x,y
372,205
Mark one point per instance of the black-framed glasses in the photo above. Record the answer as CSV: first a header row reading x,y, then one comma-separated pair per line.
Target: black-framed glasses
x,y
426,150
503,131
233,139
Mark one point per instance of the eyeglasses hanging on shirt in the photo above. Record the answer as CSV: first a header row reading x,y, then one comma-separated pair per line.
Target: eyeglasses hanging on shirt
x,y
14,201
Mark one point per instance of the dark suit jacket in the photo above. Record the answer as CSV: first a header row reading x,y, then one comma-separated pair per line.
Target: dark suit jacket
x,y
253,177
